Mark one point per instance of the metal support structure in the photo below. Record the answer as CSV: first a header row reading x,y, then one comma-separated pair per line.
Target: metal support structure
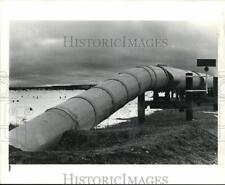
x,y
141,108
155,96
215,93
206,79
167,95
166,102
177,95
189,96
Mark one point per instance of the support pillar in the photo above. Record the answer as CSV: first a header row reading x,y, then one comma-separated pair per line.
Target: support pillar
x,y
141,108
189,96
177,95
155,96
215,93
173,94
167,95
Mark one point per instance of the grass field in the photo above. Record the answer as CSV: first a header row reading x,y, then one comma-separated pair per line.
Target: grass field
x,y
165,138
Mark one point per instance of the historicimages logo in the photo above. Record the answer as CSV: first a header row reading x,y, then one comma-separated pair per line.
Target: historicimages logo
x,y
120,179
119,42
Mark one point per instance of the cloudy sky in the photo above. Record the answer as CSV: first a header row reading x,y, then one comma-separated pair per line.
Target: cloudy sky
x,y
38,55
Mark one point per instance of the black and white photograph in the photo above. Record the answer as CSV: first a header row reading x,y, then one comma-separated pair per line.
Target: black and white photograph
x,y
113,92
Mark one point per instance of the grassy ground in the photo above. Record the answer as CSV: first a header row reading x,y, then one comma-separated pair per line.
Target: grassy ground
x,y
165,138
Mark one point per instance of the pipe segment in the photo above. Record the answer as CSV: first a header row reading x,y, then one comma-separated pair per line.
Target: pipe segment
x,y
88,109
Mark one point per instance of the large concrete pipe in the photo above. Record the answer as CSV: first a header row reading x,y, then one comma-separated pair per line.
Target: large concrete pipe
x,y
89,108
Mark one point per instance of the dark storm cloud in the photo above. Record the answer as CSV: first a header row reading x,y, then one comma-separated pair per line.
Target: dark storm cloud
x,y
38,55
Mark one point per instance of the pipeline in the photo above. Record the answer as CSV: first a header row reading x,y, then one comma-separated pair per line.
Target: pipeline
x,y
88,109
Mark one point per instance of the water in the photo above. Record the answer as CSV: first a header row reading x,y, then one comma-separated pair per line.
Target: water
x,y
27,104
